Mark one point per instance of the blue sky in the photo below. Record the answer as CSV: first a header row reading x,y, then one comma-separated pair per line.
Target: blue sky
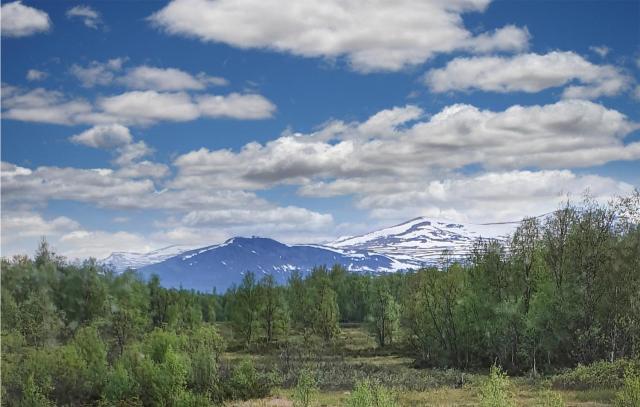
x,y
135,125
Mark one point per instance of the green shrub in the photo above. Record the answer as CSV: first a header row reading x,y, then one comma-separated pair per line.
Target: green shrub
x,y
32,395
629,394
549,398
305,390
204,347
369,393
598,375
246,383
189,399
120,385
496,390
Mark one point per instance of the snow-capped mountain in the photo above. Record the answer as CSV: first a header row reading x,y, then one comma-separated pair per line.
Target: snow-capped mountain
x,y
121,261
422,240
222,265
411,244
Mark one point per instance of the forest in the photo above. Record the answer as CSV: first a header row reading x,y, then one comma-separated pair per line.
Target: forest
x,y
555,308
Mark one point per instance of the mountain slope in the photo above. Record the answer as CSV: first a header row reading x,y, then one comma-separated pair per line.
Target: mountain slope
x,y
121,261
411,244
220,266
422,240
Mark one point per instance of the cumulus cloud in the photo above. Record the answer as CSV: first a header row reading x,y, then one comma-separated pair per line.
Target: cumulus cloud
x,y
129,154
89,16
104,136
42,106
387,37
289,217
21,231
236,106
130,108
486,197
402,161
36,75
150,106
529,73
99,186
19,20
400,143
167,79
97,73
29,224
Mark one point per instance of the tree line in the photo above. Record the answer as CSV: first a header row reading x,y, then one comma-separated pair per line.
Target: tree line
x,y
562,290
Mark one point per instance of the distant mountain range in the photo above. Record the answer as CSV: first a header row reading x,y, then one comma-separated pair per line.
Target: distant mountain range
x,y
411,244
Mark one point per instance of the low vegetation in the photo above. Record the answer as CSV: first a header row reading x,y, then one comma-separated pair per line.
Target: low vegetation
x,y
548,318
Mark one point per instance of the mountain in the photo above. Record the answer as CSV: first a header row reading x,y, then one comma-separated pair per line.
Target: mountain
x,y
222,265
422,240
411,244
121,261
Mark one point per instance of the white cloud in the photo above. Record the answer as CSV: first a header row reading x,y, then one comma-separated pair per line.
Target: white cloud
x,y
150,106
28,224
387,37
104,136
36,75
41,106
97,73
509,38
167,79
236,106
487,197
529,73
402,144
100,186
19,20
602,50
22,230
90,17
287,224
290,217
118,138
130,108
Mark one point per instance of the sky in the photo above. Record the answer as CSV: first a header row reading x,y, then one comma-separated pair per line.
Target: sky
x,y
130,126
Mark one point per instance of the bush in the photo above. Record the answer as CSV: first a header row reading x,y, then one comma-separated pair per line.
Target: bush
x,y
32,395
598,375
496,390
629,394
306,389
368,393
189,399
120,386
246,383
204,347
549,398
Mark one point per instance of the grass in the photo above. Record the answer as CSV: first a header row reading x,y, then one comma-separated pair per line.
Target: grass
x,y
354,356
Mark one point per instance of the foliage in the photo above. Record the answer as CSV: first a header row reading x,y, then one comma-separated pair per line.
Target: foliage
x,y
629,394
562,293
496,390
385,313
550,398
368,393
598,375
305,390
247,383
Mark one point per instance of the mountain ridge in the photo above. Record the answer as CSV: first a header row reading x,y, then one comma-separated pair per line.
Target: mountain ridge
x,y
412,244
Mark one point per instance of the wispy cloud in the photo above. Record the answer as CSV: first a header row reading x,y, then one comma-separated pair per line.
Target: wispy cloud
x,y
89,16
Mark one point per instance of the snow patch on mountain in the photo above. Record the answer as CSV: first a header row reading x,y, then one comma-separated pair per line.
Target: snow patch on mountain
x,y
121,261
422,240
